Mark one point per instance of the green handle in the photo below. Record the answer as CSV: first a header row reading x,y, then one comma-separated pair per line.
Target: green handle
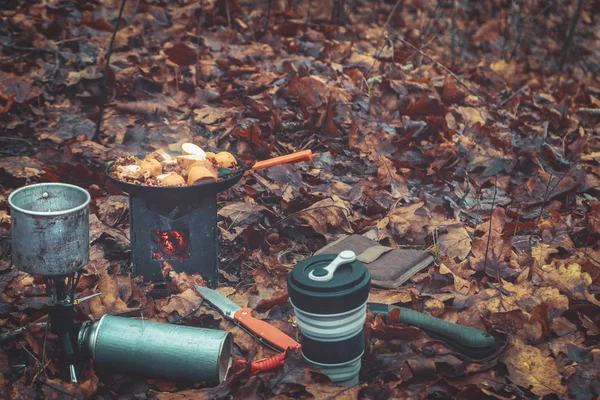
x,y
465,339
464,336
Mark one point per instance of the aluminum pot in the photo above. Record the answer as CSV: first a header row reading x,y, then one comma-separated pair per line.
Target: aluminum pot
x,y
50,228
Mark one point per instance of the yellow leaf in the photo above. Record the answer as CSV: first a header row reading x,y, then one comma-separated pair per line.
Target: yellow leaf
x,y
456,243
530,369
471,115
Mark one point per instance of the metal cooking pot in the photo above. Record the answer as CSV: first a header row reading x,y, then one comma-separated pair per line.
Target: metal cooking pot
x,y
50,228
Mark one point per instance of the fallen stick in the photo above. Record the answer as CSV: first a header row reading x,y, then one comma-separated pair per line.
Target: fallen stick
x,y
439,64
589,110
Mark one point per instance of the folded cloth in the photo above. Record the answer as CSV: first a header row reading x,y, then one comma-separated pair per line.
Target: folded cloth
x,y
389,267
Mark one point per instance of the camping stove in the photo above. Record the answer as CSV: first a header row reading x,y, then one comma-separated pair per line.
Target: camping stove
x,y
182,232
177,225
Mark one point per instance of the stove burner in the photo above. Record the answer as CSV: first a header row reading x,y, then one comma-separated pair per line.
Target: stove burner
x,y
170,245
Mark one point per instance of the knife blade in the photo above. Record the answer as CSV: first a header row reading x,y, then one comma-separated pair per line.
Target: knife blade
x,y
242,317
465,339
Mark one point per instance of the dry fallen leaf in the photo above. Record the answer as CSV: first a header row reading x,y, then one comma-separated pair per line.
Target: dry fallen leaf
x,y
109,300
530,369
456,243
242,213
332,212
21,167
570,279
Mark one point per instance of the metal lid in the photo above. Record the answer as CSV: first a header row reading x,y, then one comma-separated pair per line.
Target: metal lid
x,y
345,286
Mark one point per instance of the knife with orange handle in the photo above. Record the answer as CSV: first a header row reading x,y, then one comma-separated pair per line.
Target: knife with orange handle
x,y
263,331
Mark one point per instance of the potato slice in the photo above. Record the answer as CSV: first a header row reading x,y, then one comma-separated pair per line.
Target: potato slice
x,y
225,160
188,149
201,174
173,180
186,161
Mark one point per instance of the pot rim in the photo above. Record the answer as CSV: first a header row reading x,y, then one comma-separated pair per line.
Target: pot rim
x,y
49,213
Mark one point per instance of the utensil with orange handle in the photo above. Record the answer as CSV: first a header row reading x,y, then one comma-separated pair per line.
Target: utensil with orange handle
x,y
305,155
263,331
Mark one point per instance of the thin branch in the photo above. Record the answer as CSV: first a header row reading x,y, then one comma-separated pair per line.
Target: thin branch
x,y
105,76
487,247
512,96
439,64
269,14
589,110
569,39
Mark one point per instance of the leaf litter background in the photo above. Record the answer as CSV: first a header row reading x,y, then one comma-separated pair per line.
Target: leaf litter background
x,y
474,149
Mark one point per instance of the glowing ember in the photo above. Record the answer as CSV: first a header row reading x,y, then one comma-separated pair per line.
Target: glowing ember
x,y
170,245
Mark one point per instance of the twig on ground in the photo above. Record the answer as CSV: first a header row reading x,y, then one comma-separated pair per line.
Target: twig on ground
x,y
228,14
55,52
269,6
589,110
186,315
436,62
75,39
105,75
487,246
569,38
512,96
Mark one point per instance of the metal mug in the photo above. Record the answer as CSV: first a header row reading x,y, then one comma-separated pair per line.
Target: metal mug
x,y
50,228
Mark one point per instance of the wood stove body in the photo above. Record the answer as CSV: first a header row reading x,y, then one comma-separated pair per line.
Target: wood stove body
x,y
177,225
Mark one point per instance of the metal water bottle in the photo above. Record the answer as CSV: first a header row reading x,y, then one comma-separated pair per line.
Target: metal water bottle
x,y
161,350
329,295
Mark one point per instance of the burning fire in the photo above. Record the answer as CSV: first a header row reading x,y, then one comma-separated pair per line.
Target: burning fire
x,y
170,245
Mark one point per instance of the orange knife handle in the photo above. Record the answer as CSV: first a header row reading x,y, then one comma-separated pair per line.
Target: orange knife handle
x,y
264,330
305,155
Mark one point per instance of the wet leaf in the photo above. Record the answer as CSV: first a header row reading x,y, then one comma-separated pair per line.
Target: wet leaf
x,y
181,54
21,167
20,88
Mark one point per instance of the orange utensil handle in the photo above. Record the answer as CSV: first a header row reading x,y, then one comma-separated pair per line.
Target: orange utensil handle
x,y
264,330
305,155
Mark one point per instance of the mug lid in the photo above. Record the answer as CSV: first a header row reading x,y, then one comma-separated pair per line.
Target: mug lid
x,y
346,289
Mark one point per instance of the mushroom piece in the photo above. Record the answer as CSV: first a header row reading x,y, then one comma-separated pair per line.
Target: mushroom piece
x,y
129,171
161,155
152,166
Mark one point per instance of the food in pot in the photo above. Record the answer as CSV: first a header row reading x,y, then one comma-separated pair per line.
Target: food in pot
x,y
225,160
193,167
172,179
